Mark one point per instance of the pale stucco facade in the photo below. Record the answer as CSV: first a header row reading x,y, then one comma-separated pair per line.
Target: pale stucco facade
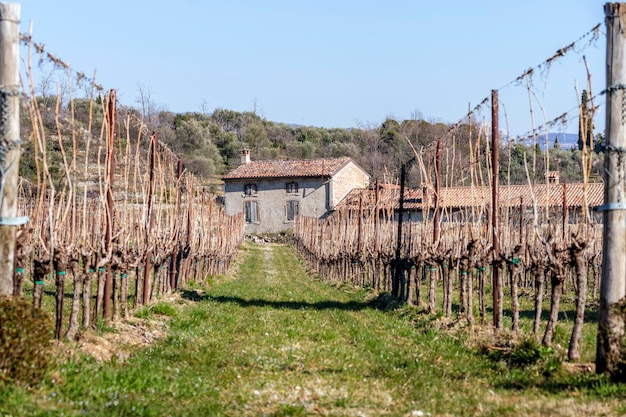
x,y
270,201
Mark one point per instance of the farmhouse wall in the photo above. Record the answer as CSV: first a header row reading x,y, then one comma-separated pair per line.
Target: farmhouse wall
x,y
344,181
272,199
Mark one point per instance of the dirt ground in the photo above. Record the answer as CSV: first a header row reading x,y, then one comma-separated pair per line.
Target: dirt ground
x,y
124,336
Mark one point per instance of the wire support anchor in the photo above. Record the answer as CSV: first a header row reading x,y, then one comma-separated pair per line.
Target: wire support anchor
x,y
612,207
13,221
614,149
613,88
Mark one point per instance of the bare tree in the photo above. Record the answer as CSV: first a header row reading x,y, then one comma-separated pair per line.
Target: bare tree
x,y
148,107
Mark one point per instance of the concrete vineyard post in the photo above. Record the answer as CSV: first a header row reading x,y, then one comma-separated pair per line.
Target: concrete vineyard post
x,y
610,357
9,139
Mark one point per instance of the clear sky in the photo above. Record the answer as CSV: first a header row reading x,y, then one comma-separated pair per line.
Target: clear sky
x,y
330,63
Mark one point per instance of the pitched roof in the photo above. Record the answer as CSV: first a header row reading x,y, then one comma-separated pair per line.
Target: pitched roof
x,y
321,167
460,197
513,195
388,195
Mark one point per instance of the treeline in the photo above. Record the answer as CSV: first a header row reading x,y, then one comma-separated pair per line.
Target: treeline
x,y
209,144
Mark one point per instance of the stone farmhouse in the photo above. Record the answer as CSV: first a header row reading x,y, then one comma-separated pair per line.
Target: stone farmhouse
x,y
273,193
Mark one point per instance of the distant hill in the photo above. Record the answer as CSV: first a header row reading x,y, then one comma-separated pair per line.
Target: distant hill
x,y
566,140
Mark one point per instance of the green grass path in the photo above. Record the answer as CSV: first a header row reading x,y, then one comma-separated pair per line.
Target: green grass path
x,y
272,341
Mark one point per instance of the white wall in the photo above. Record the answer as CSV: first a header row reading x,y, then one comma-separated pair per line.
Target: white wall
x,y
272,199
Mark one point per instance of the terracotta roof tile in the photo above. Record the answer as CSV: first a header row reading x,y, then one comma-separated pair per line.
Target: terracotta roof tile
x,y
458,197
388,195
552,194
282,169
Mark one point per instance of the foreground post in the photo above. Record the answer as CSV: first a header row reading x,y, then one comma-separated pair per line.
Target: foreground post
x,y
395,285
436,218
495,212
110,167
147,273
610,356
9,140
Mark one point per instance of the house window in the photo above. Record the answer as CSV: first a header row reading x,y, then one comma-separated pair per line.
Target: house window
x,y
291,188
252,212
250,189
292,210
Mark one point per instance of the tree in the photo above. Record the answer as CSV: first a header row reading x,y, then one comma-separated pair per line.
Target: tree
x,y
85,109
228,120
254,135
369,143
304,150
227,144
192,140
147,106
585,122
390,131
599,142
394,145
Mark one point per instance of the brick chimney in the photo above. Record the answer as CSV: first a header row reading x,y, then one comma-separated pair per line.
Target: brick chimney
x,y
553,177
245,156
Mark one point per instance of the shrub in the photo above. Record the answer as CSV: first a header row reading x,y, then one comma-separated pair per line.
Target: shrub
x,y
164,309
525,354
161,308
25,336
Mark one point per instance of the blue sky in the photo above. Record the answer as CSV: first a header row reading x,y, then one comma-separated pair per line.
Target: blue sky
x,y
330,63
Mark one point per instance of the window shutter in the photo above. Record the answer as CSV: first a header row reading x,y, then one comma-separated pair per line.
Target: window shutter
x,y
292,210
252,211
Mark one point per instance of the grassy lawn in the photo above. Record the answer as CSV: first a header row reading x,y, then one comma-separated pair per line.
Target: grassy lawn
x,y
272,341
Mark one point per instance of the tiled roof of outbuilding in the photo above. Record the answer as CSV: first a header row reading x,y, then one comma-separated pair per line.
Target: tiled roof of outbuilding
x,y
460,197
284,169
388,195
551,195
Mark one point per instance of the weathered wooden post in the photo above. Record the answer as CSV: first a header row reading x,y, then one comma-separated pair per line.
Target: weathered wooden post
x,y
395,285
610,351
495,212
110,173
9,140
436,218
149,221
175,258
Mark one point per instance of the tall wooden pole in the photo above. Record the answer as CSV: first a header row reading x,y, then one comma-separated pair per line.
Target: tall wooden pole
x,y
395,285
175,261
565,220
147,272
9,139
610,354
436,219
495,211
110,167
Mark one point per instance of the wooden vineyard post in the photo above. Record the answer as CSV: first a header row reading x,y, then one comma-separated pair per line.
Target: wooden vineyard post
x,y
110,167
610,356
9,140
395,285
565,220
147,268
175,257
495,213
436,218
376,269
